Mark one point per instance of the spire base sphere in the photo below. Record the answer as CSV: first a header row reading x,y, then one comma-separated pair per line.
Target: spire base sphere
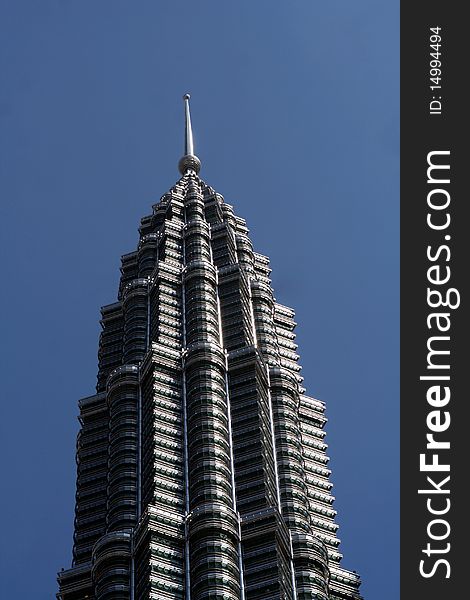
x,y
189,162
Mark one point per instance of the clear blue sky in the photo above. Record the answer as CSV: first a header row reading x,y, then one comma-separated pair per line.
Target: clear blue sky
x,y
295,111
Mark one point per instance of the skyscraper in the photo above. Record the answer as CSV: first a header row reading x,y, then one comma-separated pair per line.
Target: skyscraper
x,y
202,467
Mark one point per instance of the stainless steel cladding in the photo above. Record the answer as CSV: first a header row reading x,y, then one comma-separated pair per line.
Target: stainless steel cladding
x,y
202,467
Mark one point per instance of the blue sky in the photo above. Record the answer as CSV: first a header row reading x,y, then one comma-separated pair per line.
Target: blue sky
x,y
295,111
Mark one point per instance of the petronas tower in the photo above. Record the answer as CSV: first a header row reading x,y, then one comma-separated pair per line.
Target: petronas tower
x,y
202,467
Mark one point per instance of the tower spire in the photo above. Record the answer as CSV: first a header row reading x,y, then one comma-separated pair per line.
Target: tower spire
x,y
188,138
189,162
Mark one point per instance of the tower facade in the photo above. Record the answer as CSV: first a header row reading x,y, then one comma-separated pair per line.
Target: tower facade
x,y
202,469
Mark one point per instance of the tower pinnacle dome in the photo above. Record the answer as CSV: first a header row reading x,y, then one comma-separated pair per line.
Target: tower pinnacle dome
x,y
189,162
